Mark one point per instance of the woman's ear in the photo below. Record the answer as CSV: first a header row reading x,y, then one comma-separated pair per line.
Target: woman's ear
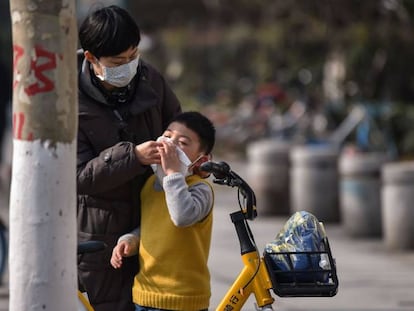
x,y
89,57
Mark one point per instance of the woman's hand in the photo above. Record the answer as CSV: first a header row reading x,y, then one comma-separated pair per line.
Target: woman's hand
x,y
148,152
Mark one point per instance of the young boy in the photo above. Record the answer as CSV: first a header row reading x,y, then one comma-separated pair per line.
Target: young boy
x,y
173,240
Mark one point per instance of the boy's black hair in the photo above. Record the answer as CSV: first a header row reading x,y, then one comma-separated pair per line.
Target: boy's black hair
x,y
108,31
201,125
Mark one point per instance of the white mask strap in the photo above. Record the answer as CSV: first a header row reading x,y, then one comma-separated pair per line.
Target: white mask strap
x,y
190,167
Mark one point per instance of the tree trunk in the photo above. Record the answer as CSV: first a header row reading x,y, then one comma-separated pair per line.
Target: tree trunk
x,y
43,240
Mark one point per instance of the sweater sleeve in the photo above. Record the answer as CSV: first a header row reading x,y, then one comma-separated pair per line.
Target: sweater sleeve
x,y
187,205
132,238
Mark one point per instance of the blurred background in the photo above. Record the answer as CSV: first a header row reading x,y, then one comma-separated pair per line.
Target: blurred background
x,y
263,68
274,76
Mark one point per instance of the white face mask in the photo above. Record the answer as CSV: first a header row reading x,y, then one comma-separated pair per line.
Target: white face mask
x,y
185,165
119,76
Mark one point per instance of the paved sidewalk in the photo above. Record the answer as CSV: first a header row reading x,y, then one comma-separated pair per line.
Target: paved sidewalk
x,y
371,278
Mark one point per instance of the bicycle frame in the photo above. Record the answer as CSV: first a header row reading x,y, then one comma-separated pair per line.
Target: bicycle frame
x,y
253,278
258,276
84,303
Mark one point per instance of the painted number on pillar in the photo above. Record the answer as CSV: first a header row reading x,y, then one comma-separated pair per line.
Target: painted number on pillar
x,y
41,62
18,124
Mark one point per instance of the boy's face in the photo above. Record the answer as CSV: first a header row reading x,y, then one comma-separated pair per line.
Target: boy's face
x,y
184,138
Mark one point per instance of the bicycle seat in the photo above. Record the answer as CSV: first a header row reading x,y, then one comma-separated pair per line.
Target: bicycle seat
x,y
90,247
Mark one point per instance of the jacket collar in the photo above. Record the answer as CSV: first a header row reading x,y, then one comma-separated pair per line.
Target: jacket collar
x,y
144,98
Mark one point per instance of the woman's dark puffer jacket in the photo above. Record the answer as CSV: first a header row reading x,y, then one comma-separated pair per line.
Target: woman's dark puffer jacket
x,y
109,176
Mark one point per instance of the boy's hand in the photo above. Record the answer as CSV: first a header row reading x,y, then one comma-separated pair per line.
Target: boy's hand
x,y
123,249
170,161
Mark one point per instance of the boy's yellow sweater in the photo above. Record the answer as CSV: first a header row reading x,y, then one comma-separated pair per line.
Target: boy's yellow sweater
x,y
173,260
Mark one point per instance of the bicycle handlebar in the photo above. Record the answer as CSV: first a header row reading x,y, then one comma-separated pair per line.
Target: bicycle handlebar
x,y
225,176
220,170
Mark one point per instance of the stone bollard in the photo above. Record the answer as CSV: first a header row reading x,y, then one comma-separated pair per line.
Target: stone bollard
x,y
268,175
398,205
360,193
314,181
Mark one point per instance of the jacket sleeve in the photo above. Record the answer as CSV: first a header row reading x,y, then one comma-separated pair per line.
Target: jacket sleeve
x,y
113,167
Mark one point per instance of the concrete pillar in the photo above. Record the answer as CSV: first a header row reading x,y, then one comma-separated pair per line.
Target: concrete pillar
x,y
360,193
268,175
397,207
314,181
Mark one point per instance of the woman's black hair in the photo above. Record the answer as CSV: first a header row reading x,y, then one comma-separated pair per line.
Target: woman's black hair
x,y
108,31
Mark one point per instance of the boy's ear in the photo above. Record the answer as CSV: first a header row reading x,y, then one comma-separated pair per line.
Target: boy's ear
x,y
200,161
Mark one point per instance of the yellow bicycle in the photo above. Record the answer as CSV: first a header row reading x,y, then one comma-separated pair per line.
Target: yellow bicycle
x,y
261,273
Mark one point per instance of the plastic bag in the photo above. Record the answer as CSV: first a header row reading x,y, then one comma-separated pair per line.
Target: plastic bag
x,y
301,233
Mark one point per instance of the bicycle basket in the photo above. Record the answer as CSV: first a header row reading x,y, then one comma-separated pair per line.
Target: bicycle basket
x,y
293,280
